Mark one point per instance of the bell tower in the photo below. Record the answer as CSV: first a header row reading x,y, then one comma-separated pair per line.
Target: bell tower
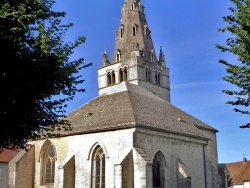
x,y
134,58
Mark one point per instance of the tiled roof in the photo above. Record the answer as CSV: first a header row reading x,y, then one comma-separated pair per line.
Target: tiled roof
x,y
134,107
239,172
7,155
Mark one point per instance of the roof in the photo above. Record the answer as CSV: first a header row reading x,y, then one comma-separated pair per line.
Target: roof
x,y
8,154
133,107
239,172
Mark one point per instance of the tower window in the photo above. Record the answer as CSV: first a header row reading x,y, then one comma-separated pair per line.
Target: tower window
x,y
118,56
134,30
133,6
148,74
98,168
123,74
152,57
109,79
113,77
157,78
122,31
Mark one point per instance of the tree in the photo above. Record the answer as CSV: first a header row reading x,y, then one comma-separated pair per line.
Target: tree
x,y
239,45
35,67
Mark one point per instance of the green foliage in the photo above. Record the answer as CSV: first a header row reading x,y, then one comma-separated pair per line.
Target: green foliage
x,y
239,45
34,68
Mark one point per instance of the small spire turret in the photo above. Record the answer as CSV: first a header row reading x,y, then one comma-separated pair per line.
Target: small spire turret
x,y
162,59
105,59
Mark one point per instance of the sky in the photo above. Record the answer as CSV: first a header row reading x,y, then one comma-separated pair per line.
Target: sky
x,y
188,34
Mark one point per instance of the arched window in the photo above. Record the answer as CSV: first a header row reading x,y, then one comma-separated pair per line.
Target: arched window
x,y
118,56
98,168
122,31
113,77
123,74
152,57
108,79
134,30
158,170
157,78
148,74
48,158
133,6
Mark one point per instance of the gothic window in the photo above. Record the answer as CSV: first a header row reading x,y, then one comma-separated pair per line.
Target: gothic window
x,y
157,78
158,170
118,56
98,168
48,158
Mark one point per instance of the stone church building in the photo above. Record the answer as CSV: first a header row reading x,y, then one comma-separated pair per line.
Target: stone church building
x,y
130,136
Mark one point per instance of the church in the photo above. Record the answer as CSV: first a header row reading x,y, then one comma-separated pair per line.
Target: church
x,y
130,135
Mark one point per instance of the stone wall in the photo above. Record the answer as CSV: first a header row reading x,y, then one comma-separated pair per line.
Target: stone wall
x,y
181,153
116,145
25,170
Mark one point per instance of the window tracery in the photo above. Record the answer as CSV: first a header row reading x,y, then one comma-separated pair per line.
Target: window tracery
x,y
48,159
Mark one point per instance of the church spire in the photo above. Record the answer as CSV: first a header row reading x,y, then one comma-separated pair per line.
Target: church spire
x,y
133,33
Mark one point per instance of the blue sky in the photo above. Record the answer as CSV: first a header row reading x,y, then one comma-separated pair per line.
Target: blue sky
x,y
188,33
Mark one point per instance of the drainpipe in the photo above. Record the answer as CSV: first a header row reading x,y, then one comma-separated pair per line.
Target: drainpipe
x,y
204,163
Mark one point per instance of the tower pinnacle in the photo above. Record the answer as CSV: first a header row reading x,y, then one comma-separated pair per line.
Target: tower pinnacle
x,y
105,59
